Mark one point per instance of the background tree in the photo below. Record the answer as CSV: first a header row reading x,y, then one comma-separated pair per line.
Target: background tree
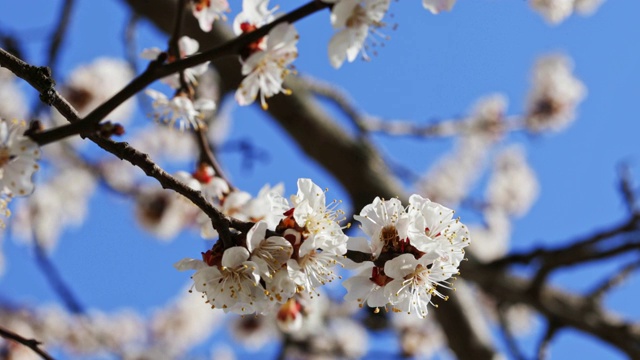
x,y
573,248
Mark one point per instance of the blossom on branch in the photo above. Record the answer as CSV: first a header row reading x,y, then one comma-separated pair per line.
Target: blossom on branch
x,y
89,86
265,69
273,263
354,19
18,159
412,252
179,111
255,14
207,11
187,47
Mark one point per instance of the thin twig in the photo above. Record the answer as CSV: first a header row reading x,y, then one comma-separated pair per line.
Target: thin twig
x,y
57,38
174,46
626,187
54,278
595,296
207,156
30,343
512,344
543,347
577,246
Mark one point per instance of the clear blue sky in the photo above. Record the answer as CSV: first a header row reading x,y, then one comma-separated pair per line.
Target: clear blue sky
x,y
433,67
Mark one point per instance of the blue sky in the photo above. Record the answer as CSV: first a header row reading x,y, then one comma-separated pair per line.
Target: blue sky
x,y
432,67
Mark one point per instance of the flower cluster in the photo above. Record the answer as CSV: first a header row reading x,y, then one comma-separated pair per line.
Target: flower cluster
x,y
271,264
412,251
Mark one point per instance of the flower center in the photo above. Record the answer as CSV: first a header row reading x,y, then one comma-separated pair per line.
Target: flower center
x,y
201,4
5,156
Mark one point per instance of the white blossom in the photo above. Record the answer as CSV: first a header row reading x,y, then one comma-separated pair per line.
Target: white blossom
x,y
265,69
183,323
54,206
435,231
232,285
186,46
354,20
179,111
164,213
554,96
207,11
554,11
90,85
255,14
587,7
491,240
411,253
13,104
451,178
269,253
437,6
18,159
513,187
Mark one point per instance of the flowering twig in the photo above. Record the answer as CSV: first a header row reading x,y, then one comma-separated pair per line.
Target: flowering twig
x,y
597,294
156,70
41,81
30,343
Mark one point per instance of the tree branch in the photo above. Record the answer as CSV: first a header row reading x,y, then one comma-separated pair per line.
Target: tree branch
x,y
556,305
30,343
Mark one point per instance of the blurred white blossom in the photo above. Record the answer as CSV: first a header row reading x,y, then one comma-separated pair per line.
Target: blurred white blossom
x,y
437,6
513,186
91,85
554,95
56,205
13,104
19,157
556,11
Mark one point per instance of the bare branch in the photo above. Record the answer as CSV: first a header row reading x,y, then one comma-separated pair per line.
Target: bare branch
x,y
543,347
557,305
512,344
598,293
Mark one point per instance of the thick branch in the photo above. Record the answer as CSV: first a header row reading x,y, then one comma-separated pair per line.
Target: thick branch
x,y
558,306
